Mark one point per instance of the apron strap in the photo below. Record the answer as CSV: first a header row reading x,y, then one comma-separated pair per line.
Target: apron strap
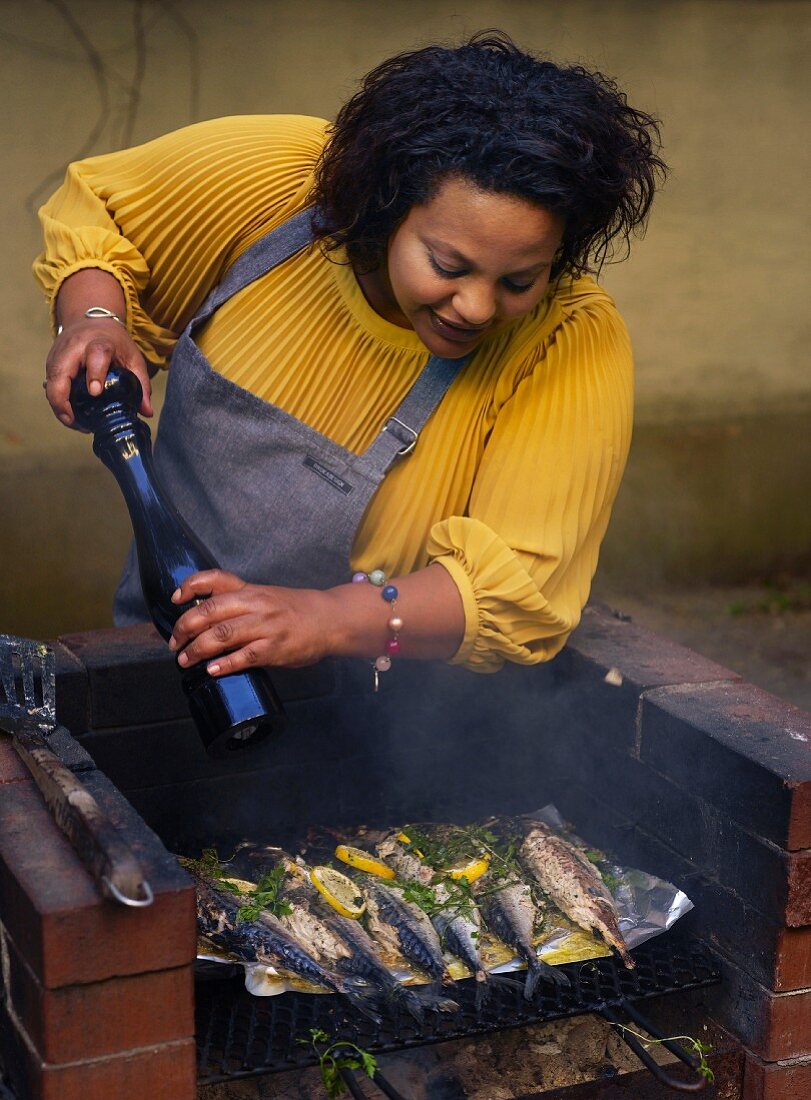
x,y
268,252
399,435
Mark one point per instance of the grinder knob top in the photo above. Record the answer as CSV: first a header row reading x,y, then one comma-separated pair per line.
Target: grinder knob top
x,y
122,389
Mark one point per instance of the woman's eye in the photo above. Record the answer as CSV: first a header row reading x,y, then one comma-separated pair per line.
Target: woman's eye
x,y
517,288
444,272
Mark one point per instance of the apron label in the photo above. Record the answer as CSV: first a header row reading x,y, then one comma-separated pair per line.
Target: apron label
x,y
328,475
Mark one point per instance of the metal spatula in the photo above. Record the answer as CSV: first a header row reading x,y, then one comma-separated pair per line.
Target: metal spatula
x,y
28,713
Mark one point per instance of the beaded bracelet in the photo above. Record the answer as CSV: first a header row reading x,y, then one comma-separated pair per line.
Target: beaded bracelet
x,y
395,624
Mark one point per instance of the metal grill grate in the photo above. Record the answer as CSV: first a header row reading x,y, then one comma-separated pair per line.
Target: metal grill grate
x,y
240,1036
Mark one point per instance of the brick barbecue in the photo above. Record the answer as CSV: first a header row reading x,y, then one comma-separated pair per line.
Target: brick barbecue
x,y
665,759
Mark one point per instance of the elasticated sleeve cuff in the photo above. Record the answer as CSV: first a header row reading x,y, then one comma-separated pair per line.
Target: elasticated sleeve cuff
x,y
507,617
99,248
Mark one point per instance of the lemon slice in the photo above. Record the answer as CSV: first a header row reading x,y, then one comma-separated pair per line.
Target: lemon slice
x,y
245,888
407,840
340,891
471,870
356,857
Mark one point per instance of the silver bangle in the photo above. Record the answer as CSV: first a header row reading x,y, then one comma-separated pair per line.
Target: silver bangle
x,y
96,311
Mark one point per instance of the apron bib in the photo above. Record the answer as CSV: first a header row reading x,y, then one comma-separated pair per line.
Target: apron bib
x,y
273,500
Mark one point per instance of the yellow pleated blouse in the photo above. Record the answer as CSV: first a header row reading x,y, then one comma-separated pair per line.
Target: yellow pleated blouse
x,y
512,482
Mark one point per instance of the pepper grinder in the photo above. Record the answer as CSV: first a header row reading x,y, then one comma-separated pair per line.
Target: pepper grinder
x,y
230,712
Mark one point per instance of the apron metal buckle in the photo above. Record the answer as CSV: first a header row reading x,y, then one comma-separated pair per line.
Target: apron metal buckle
x,y
409,447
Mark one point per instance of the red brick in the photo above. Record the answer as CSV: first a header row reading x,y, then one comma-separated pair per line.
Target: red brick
x,y
776,1080
638,661
132,680
798,906
793,964
61,925
775,1026
800,832
775,882
166,1072
789,1019
100,1018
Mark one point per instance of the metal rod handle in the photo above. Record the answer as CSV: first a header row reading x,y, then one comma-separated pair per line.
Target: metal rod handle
x,y
351,1082
695,1085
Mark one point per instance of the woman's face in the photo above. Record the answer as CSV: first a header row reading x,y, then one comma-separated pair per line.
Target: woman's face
x,y
464,265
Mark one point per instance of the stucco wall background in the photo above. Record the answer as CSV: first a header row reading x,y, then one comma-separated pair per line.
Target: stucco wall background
x,y
715,295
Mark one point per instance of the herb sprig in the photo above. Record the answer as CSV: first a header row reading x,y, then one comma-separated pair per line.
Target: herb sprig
x,y
457,899
209,866
701,1050
338,1055
267,895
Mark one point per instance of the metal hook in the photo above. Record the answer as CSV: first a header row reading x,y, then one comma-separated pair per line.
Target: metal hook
x,y
134,903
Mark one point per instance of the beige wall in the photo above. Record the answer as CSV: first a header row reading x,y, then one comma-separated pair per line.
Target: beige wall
x,y
715,296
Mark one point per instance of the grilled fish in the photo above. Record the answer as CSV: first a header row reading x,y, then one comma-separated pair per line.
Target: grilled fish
x,y
266,940
399,923
511,914
343,943
459,928
574,885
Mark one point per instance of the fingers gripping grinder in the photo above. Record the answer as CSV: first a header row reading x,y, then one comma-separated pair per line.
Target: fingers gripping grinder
x,y
230,712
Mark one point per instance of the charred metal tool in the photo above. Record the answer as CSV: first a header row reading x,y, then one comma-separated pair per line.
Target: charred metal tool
x,y
28,713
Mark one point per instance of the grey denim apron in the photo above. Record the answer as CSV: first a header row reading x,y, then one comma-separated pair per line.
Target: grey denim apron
x,y
273,500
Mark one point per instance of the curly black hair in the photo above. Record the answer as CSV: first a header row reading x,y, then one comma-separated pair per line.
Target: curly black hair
x,y
562,137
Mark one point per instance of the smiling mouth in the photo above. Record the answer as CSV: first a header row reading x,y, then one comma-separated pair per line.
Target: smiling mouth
x,y
456,333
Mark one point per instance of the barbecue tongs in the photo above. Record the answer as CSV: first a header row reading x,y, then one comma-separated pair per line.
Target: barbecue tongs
x,y
29,667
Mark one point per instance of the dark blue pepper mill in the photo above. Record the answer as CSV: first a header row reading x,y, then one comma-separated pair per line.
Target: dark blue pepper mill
x,y
230,712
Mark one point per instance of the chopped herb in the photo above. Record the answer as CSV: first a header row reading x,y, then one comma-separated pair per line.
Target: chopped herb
x,y
209,866
267,896
331,1062
611,881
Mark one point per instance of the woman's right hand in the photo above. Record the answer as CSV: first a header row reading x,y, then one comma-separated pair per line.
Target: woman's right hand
x,y
92,344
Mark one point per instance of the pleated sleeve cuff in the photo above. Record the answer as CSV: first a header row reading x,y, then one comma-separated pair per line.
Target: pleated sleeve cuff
x,y
105,251
507,617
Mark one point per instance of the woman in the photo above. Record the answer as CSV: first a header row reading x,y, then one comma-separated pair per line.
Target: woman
x,y
392,360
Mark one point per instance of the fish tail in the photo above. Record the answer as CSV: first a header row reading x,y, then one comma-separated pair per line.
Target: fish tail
x,y
487,983
402,996
538,971
482,990
433,998
360,995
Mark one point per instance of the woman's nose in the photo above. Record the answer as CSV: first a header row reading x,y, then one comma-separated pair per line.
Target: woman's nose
x,y
475,303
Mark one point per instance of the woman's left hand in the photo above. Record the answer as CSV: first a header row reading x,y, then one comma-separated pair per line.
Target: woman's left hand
x,y
238,625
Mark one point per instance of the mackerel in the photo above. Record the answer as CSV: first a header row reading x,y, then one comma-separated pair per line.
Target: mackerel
x,y
459,928
400,924
265,940
574,885
511,914
342,942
